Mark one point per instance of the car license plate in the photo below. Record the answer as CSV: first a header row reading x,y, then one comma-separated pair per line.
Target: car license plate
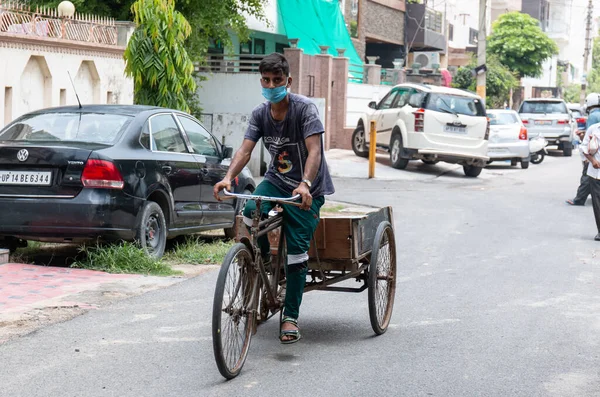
x,y
454,129
543,122
30,178
497,150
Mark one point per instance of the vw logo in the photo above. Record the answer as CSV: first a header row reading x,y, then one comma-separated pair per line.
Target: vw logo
x,y
23,155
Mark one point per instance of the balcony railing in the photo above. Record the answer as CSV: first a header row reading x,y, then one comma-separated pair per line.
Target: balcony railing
x,y
231,63
20,19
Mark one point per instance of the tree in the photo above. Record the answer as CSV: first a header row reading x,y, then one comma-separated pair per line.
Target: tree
x,y
216,19
156,57
520,44
499,81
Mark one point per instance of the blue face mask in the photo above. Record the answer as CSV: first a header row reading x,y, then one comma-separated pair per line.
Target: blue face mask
x,y
275,95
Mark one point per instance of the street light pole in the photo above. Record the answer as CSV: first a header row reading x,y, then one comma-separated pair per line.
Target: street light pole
x,y
586,53
481,48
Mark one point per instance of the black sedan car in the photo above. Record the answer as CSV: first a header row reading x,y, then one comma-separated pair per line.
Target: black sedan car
x,y
112,172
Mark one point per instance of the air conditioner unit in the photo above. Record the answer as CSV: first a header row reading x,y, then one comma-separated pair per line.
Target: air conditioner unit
x,y
426,59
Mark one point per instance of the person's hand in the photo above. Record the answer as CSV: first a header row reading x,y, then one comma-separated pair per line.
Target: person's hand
x,y
224,184
304,191
595,164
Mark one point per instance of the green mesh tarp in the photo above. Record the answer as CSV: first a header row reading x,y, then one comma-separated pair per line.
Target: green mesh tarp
x,y
320,22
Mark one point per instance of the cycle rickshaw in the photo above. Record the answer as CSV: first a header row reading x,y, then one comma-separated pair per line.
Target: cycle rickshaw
x,y
356,246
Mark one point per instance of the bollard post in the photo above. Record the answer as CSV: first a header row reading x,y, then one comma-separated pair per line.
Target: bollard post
x,y
372,149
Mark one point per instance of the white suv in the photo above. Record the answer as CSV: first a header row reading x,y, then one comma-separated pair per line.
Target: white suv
x,y
428,123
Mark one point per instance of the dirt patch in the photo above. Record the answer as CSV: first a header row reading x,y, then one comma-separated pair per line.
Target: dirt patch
x,y
33,320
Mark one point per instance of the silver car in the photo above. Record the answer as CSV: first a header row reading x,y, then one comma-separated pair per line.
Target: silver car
x,y
550,118
508,138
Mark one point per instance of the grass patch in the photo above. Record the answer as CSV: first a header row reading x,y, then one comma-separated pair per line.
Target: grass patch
x,y
196,250
122,258
33,249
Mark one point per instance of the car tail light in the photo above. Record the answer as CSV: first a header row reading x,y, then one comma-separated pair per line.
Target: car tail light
x,y
563,122
581,120
419,120
101,174
525,121
523,134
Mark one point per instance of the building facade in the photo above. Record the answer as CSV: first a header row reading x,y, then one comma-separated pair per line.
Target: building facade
x,y
41,53
377,28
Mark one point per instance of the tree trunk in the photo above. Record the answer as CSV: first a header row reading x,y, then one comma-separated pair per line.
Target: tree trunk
x,y
517,98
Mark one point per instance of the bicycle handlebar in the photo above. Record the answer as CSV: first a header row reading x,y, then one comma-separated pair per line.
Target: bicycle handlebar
x,y
283,200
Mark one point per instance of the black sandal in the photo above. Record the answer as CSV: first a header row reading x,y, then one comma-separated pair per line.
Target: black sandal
x,y
294,333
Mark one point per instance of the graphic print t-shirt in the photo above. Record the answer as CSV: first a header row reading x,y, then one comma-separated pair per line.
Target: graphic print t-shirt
x,y
285,142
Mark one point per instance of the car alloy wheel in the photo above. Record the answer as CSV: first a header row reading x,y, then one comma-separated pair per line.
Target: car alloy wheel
x,y
395,150
152,233
151,230
359,140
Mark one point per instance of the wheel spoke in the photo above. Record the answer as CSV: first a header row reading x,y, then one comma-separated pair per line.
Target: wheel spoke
x,y
235,313
384,279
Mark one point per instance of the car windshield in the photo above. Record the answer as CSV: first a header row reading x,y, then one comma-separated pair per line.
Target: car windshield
x,y
543,107
576,113
503,118
56,127
455,104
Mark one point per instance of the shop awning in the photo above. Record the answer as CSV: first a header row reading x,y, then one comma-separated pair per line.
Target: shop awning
x,y
316,23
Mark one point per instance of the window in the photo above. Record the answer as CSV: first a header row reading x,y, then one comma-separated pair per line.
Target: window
x,y
280,47
455,104
259,46
503,118
215,47
353,18
403,96
145,137
541,107
451,32
473,36
202,142
166,135
416,99
74,127
386,102
246,48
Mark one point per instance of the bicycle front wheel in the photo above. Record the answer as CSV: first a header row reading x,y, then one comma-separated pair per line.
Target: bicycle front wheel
x,y
233,314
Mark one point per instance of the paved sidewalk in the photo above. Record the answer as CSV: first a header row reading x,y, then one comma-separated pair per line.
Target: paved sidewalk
x,y
33,296
24,287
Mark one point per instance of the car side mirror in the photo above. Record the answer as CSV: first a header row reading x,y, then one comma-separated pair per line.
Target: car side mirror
x,y
373,105
227,152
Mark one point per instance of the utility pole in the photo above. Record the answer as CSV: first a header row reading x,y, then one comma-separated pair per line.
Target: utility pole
x,y
481,48
586,53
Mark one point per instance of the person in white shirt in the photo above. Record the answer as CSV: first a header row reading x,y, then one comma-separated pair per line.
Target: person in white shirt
x,y
589,148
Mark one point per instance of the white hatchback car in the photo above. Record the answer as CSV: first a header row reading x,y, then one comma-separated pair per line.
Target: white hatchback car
x,y
428,123
508,138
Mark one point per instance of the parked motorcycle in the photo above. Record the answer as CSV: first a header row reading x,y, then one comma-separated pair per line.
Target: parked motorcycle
x,y
537,148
